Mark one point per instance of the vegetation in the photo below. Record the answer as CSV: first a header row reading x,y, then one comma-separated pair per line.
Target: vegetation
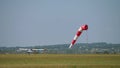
x,y
59,61
79,48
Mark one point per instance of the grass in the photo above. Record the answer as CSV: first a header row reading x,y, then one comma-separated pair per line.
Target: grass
x,y
59,61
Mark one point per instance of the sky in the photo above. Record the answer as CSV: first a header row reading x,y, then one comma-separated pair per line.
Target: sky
x,y
48,22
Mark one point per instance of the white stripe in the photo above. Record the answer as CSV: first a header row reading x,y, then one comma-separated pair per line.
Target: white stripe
x,y
70,46
76,37
80,29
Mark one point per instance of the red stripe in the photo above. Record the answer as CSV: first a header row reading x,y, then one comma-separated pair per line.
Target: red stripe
x,y
78,33
84,27
73,42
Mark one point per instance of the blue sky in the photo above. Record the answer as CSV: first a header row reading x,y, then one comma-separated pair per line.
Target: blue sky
x,y
46,22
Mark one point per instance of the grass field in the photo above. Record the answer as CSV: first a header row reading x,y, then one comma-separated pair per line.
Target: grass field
x,y
59,61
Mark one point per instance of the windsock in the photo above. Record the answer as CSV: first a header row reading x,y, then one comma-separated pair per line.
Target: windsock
x,y
84,27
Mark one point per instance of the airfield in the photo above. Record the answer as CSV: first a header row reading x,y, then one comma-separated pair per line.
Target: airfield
x,y
59,60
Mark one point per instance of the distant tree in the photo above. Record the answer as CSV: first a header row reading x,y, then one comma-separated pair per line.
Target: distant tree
x,y
106,52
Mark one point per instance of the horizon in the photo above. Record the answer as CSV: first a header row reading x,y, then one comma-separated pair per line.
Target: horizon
x,y
62,44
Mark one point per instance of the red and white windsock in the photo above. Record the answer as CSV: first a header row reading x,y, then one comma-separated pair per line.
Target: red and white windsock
x,y
84,27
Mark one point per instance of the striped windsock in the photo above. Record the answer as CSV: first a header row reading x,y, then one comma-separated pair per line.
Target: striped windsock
x,y
84,27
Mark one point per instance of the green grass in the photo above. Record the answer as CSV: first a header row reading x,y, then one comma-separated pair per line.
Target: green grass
x,y
59,61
